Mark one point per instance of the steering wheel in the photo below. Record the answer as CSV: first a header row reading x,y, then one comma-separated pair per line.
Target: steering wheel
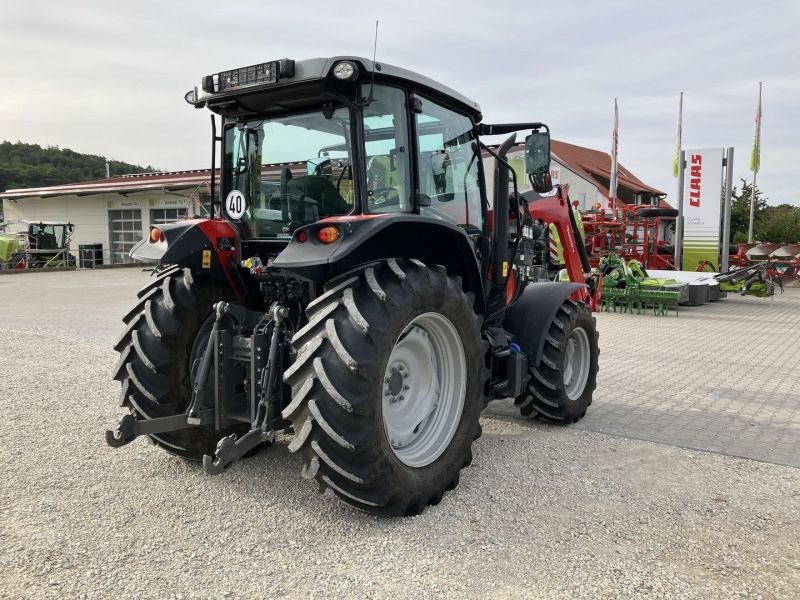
x,y
384,195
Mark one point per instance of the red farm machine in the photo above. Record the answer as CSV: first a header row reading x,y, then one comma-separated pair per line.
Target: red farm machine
x,y
640,233
369,306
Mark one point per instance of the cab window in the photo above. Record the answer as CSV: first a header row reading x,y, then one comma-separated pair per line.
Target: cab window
x,y
387,151
447,160
282,173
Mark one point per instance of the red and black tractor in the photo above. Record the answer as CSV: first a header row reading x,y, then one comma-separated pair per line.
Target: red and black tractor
x,y
356,287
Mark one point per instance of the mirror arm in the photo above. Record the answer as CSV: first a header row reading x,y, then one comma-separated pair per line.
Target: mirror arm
x,y
503,128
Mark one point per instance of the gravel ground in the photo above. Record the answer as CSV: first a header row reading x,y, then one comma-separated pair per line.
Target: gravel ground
x,y
543,512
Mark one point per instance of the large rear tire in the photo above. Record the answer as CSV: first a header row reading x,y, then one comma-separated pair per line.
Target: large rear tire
x,y
560,389
155,351
387,387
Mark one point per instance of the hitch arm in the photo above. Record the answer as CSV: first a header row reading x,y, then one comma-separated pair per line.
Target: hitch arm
x,y
231,448
129,427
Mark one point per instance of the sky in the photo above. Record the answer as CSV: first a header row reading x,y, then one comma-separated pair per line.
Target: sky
x,y
102,78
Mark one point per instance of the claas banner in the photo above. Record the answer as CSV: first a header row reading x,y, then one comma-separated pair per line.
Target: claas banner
x,y
702,197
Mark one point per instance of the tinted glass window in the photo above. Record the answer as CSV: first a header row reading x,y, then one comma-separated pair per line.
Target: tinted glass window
x,y
447,160
387,151
286,172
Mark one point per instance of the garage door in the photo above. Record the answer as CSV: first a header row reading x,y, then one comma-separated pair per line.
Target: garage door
x,y
124,231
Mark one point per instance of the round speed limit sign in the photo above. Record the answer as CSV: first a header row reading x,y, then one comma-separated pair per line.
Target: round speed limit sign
x,y
235,204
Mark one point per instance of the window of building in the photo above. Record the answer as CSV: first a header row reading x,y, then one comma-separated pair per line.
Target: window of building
x,y
448,159
162,216
124,232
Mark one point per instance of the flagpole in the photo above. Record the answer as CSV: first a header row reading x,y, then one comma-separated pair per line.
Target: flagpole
x,y
612,192
756,164
752,209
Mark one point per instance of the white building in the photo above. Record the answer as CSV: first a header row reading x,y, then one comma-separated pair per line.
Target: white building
x,y
113,212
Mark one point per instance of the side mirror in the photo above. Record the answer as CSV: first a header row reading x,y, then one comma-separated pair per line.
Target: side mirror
x,y
319,166
537,161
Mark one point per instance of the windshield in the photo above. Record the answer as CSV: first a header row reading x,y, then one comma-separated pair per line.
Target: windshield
x,y
46,236
279,174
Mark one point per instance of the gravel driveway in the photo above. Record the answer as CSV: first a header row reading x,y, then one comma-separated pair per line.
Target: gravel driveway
x,y
543,512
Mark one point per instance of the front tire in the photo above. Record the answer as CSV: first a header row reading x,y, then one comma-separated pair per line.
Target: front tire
x,y
383,439
560,389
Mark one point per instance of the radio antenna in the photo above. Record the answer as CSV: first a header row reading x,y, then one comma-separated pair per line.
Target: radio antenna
x,y
371,98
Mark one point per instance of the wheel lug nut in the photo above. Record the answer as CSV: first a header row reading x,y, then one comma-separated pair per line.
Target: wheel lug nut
x,y
405,375
405,388
400,398
386,380
401,368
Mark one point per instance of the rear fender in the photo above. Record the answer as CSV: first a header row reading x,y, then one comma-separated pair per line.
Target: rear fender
x,y
529,318
209,247
367,238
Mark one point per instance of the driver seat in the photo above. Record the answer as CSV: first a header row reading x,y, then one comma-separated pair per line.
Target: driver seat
x,y
320,189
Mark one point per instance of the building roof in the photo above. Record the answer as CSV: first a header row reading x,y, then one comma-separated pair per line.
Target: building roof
x,y
139,182
129,184
594,164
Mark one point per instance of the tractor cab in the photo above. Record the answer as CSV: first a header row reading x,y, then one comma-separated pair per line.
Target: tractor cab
x,y
304,141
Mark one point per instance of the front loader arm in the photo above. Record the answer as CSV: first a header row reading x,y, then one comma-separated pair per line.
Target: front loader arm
x,y
557,211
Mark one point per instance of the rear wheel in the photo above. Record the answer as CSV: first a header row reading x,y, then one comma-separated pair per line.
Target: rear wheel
x,y
156,351
561,387
387,387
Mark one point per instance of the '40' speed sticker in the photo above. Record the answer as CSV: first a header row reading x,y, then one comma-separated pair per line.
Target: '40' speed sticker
x,y
235,204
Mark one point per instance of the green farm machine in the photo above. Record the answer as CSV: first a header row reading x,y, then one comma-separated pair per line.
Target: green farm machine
x,y
627,287
35,245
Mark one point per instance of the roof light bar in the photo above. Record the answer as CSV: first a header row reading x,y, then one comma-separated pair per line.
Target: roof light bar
x,y
244,77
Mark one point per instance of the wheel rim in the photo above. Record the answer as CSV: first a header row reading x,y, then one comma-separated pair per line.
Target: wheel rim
x,y
424,388
576,363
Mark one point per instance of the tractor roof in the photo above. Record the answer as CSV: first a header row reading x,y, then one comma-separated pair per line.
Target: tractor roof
x,y
289,84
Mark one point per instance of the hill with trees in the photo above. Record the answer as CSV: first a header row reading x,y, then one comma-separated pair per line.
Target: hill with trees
x,y
29,165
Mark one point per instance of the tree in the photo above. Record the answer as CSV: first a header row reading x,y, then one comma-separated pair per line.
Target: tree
x,y
780,225
740,210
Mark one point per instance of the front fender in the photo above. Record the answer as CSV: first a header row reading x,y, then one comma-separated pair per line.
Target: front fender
x,y
529,318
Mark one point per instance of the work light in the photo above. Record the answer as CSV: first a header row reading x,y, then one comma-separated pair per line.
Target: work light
x,y
345,71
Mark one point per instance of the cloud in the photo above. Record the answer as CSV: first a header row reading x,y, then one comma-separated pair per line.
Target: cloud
x,y
109,79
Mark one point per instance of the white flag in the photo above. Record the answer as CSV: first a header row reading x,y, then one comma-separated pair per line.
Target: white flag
x,y
755,153
678,141
612,189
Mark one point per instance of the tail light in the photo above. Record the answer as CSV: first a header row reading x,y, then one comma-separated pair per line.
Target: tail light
x,y
156,235
328,235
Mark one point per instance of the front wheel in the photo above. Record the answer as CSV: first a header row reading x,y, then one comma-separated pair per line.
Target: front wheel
x,y
560,389
387,387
